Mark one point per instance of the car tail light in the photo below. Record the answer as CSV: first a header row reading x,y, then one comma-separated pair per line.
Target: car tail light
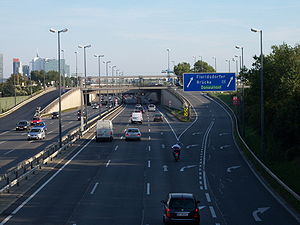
x,y
196,215
126,134
138,134
168,214
110,133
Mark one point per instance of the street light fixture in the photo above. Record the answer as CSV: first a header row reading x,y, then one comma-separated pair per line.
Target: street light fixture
x,y
86,99
59,84
261,94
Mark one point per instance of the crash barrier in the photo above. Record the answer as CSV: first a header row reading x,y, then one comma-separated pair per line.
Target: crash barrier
x,y
27,167
35,96
260,163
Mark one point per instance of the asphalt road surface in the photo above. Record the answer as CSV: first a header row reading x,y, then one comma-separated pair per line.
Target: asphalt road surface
x,y
122,183
14,146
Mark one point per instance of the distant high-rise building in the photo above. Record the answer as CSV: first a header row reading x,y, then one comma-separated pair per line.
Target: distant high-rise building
x,y
52,65
16,65
1,68
38,63
26,70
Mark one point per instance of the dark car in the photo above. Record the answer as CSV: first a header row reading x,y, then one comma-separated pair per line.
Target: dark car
x,y
157,118
23,125
181,208
55,115
141,108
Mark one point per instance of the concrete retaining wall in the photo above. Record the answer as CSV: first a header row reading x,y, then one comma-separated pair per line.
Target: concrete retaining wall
x,y
70,99
171,100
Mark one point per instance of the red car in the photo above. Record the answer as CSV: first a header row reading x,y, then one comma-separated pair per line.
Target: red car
x,y
35,120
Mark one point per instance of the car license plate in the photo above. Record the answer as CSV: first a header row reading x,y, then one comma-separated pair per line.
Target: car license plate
x,y
182,214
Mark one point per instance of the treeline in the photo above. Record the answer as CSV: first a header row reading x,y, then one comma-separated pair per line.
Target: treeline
x,y
281,100
23,85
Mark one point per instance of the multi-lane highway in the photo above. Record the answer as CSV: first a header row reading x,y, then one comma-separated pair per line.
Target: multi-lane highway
x,y
122,183
14,146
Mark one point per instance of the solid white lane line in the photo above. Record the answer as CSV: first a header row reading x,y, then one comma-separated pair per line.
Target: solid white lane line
x,y
207,197
204,180
148,188
149,148
218,224
94,188
149,138
50,132
212,211
70,122
4,132
44,184
116,147
107,164
149,164
8,152
2,142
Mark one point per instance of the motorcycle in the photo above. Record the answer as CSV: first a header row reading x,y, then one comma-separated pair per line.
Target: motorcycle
x,y
176,154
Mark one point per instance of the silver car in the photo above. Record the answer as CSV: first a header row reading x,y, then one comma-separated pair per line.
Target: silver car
x,y
133,134
37,133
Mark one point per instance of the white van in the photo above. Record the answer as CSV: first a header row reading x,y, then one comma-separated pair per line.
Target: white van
x,y
104,130
137,117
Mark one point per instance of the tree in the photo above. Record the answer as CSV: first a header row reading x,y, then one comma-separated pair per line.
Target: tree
x,y
203,67
282,94
182,68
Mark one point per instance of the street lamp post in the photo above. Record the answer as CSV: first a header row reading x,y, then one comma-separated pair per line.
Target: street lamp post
x,y
76,68
99,73
84,64
261,94
243,83
168,72
59,83
106,64
228,60
63,68
215,58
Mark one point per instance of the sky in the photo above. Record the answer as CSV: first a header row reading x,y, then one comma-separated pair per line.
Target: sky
x,y
135,34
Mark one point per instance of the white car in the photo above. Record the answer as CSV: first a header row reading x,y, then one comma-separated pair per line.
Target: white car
x,y
151,108
37,133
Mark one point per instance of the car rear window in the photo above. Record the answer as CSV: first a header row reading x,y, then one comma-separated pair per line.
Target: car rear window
x,y
133,130
35,130
182,203
23,123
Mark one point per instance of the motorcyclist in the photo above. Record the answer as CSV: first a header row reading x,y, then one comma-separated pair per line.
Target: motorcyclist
x,y
176,149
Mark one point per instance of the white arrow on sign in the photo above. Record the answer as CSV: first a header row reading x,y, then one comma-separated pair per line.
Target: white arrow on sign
x,y
191,146
259,211
191,79
165,168
231,79
229,170
187,167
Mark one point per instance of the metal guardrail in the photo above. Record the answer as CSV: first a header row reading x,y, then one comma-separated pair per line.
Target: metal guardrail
x,y
267,170
14,175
